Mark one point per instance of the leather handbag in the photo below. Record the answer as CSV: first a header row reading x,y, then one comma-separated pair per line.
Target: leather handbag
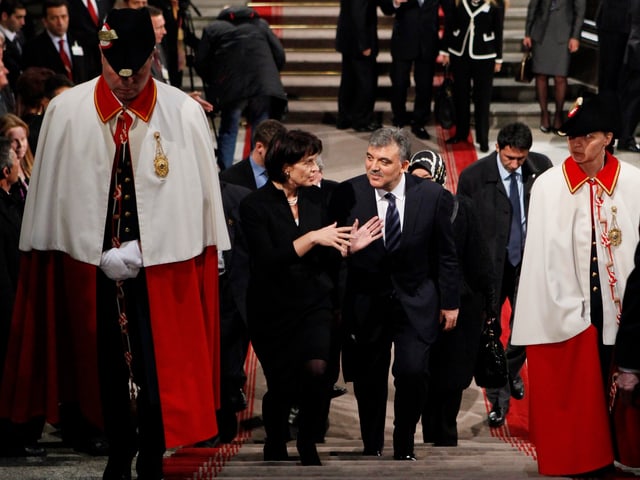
x,y
625,419
491,363
524,74
444,108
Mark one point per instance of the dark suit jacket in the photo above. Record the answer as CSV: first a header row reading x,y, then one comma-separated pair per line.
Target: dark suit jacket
x,y
632,52
481,182
10,221
283,287
453,356
357,28
236,260
12,59
240,173
627,354
415,29
422,273
538,19
82,28
484,40
41,52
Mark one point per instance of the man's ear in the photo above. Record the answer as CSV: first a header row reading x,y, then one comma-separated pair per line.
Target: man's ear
x,y
4,172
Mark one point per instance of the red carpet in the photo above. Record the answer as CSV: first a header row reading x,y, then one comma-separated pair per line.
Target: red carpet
x,y
206,463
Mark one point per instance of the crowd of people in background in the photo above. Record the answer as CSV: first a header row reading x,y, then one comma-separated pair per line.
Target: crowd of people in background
x,y
384,272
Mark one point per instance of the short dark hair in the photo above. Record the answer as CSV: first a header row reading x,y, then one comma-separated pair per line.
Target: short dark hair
x,y
266,130
153,11
31,85
515,135
288,148
55,82
5,155
47,4
10,6
392,135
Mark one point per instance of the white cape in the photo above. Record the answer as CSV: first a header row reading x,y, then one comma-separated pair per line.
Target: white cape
x,y
66,208
553,299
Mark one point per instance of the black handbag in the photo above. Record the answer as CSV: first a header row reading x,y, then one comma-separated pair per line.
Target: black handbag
x,y
491,363
444,107
524,74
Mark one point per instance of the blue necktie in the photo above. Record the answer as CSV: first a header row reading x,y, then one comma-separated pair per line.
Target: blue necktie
x,y
261,179
514,248
391,224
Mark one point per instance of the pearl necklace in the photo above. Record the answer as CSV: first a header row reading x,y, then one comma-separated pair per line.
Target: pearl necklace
x,y
293,201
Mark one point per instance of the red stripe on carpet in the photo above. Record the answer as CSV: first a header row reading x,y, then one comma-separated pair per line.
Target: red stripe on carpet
x,y
456,157
205,463
515,431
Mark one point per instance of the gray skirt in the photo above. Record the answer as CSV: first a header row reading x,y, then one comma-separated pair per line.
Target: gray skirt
x,y
551,57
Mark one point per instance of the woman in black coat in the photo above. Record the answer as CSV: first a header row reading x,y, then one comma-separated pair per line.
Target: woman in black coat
x,y
294,253
453,356
473,42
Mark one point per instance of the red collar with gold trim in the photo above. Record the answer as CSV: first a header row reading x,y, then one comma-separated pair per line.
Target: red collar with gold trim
x,y
108,105
607,177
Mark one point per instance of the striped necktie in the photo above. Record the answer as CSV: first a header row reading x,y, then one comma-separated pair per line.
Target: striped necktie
x,y
392,224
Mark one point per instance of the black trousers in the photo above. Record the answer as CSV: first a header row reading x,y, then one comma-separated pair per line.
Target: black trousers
x,y
423,71
357,93
473,80
630,103
371,376
516,355
129,431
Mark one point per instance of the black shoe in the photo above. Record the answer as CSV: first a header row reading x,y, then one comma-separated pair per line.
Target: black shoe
x,y
446,442
338,391
238,400
371,453
546,129
95,446
308,454
454,140
369,127
275,452
629,147
421,133
343,124
496,417
484,147
116,470
517,388
408,457
23,451
212,442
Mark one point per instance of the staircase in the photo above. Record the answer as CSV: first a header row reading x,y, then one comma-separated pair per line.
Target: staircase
x,y
311,75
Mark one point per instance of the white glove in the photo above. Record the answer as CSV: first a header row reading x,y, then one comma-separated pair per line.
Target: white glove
x,y
122,263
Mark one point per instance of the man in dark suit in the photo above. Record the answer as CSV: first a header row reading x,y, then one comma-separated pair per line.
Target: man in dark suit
x,y
414,43
400,290
85,20
488,183
357,40
626,355
12,17
55,48
239,59
630,83
233,275
250,172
